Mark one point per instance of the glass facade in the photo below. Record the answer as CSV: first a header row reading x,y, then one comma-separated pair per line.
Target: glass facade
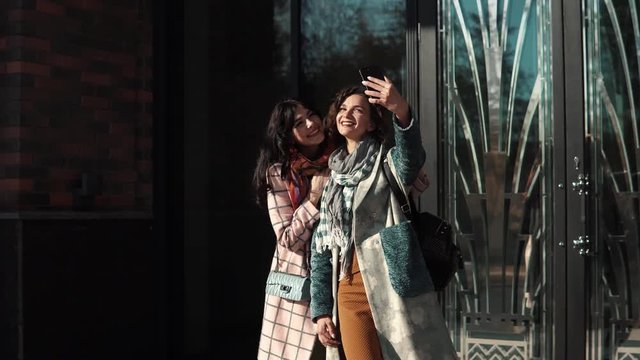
x,y
497,125
612,77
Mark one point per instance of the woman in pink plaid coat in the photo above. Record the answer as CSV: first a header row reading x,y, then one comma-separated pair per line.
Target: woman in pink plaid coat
x,y
290,174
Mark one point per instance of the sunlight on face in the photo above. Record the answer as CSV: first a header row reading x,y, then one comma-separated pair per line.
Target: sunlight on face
x,y
354,118
308,130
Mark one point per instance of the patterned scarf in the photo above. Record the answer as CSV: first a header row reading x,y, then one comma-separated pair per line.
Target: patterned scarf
x,y
301,171
336,213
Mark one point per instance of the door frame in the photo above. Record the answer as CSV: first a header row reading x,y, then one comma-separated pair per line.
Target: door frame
x,y
559,317
571,278
429,101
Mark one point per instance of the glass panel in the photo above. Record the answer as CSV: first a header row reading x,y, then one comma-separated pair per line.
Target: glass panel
x,y
612,75
340,36
278,56
497,121
282,38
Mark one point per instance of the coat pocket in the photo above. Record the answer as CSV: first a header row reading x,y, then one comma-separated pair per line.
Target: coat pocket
x,y
407,272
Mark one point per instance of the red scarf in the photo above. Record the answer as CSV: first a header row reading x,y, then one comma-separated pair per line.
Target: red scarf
x,y
301,171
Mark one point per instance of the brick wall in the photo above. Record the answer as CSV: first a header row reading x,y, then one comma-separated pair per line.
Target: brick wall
x,y
75,104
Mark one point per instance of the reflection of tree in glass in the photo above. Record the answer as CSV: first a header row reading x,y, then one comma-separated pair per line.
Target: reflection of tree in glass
x,y
339,71
466,86
282,38
614,77
338,37
616,85
468,68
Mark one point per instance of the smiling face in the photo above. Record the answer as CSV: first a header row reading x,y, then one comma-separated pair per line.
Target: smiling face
x,y
308,131
353,119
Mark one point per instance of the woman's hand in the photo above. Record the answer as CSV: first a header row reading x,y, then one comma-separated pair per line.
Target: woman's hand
x,y
326,330
382,92
318,182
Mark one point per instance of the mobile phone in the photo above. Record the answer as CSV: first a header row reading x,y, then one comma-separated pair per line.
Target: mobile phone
x,y
371,70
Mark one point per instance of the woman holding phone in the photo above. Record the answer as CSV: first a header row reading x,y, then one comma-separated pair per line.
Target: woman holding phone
x,y
371,292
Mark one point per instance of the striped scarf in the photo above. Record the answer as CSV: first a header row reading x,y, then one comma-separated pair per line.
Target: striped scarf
x,y
336,213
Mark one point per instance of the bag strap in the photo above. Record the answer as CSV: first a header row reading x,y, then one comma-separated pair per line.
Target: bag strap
x,y
405,204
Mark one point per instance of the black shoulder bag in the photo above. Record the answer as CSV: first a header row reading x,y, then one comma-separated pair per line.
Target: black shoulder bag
x,y
442,257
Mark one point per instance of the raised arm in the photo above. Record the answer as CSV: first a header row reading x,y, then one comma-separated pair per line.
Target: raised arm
x,y
408,155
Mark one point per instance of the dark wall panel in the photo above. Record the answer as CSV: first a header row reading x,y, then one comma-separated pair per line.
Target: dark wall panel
x,y
244,87
88,289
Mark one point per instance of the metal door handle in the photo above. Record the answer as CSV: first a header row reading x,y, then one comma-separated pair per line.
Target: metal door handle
x,y
583,245
581,185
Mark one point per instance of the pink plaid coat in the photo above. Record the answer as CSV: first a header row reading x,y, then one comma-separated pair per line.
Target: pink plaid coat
x,y
287,329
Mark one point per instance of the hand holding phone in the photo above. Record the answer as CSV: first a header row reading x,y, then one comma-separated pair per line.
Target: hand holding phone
x,y
390,99
371,70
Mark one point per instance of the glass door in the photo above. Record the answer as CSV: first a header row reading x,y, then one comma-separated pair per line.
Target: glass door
x,y
611,34
540,120
498,129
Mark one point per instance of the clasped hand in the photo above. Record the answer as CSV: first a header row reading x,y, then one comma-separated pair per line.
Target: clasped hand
x,y
327,333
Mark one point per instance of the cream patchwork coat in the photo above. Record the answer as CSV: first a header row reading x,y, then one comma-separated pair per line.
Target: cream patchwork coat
x,y
404,305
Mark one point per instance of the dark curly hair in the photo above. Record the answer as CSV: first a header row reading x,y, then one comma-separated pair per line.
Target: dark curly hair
x,y
382,131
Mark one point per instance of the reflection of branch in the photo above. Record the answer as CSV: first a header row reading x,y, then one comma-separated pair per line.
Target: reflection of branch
x,y
516,70
458,170
523,139
617,130
472,89
625,67
505,29
534,174
468,42
468,136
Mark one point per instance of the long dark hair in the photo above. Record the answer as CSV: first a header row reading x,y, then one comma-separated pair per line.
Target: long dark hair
x,y
382,131
278,139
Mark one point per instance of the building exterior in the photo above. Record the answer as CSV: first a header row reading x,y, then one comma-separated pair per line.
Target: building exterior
x,y
129,132
76,180
529,114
